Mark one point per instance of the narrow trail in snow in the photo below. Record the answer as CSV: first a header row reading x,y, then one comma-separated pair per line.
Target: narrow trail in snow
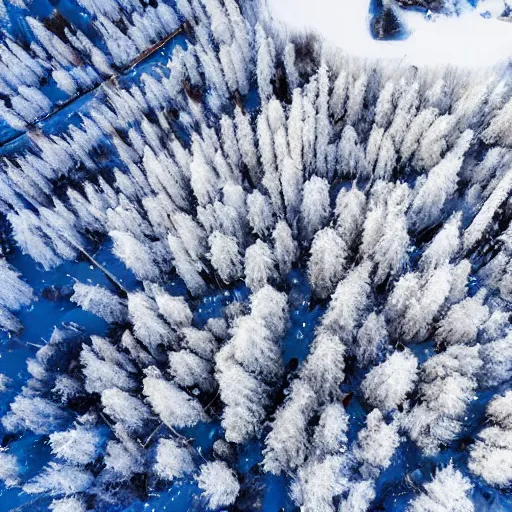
x,y
182,29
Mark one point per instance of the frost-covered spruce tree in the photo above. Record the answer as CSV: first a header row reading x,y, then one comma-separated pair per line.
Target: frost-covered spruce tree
x,y
173,405
376,444
490,455
251,357
386,386
218,484
318,483
449,490
437,419
172,460
327,261
15,294
100,301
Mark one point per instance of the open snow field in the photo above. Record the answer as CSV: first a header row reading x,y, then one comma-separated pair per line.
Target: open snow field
x,y
466,40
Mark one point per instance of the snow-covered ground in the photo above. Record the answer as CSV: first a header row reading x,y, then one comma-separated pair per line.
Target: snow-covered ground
x,y
466,40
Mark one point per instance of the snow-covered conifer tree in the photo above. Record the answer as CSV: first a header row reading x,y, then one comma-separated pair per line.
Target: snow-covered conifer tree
x,y
447,386
219,484
174,406
356,98
359,498
260,265
327,261
79,446
373,146
136,255
220,25
291,183
496,131
414,302
292,75
246,144
68,505
14,294
490,455
386,386
317,484
351,156
190,370
371,339
185,265
148,326
315,207
285,247
496,367
325,365
444,246
486,213
376,444
390,252
260,213
101,374
384,107
439,186
10,469
339,94
225,257
265,67
386,158
172,460
310,93
60,480
286,444
419,125
295,127
33,413
201,342
100,302
128,410
330,434
449,490
229,141
350,213
348,303
462,321
245,397
253,355
323,126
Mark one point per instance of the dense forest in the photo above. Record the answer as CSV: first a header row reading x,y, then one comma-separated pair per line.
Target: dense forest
x,y
294,185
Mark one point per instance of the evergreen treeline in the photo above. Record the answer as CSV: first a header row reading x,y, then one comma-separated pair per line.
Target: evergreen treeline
x,y
389,187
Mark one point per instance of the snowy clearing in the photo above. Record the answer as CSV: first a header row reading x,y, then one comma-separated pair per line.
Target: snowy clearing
x,y
468,40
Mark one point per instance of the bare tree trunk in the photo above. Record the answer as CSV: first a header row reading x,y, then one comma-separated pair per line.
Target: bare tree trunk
x,y
97,264
152,434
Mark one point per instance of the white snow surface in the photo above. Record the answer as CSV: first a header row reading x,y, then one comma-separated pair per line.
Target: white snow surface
x,y
467,40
